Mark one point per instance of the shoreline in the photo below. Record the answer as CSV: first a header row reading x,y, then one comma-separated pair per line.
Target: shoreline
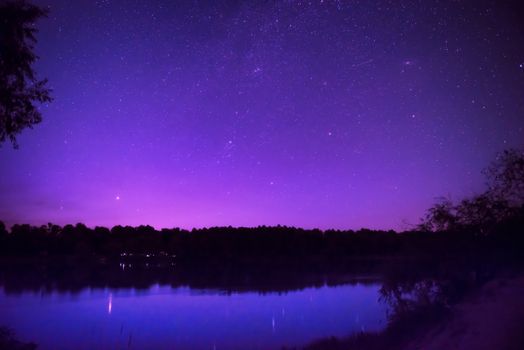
x,y
491,318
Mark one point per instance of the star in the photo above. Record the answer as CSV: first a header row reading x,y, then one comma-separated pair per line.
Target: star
x,y
289,97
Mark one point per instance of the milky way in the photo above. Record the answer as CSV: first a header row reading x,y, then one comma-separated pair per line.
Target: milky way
x,y
329,114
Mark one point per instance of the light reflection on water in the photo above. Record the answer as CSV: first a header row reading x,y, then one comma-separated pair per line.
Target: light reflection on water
x,y
163,317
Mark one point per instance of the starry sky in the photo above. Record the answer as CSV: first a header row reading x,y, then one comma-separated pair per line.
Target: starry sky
x,y
328,114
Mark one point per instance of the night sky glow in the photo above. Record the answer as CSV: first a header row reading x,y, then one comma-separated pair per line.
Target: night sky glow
x,y
329,114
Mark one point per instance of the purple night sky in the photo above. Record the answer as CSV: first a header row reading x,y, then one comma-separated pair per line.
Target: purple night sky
x,y
329,114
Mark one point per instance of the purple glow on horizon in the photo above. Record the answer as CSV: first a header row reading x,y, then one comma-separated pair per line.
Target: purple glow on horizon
x,y
326,114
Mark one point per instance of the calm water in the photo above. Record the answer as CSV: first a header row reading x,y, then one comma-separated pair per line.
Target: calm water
x,y
163,317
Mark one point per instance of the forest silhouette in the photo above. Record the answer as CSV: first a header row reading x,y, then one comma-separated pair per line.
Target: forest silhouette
x,y
487,224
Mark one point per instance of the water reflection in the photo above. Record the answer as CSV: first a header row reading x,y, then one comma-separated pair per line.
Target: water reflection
x,y
110,303
163,317
106,306
73,277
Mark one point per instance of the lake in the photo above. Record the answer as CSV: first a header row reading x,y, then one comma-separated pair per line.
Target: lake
x,y
163,316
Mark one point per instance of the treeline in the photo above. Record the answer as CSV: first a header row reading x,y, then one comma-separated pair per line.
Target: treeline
x,y
251,244
486,224
223,242
500,203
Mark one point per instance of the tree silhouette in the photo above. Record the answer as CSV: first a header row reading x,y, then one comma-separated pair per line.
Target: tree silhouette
x,y
440,217
20,89
3,231
502,200
506,177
